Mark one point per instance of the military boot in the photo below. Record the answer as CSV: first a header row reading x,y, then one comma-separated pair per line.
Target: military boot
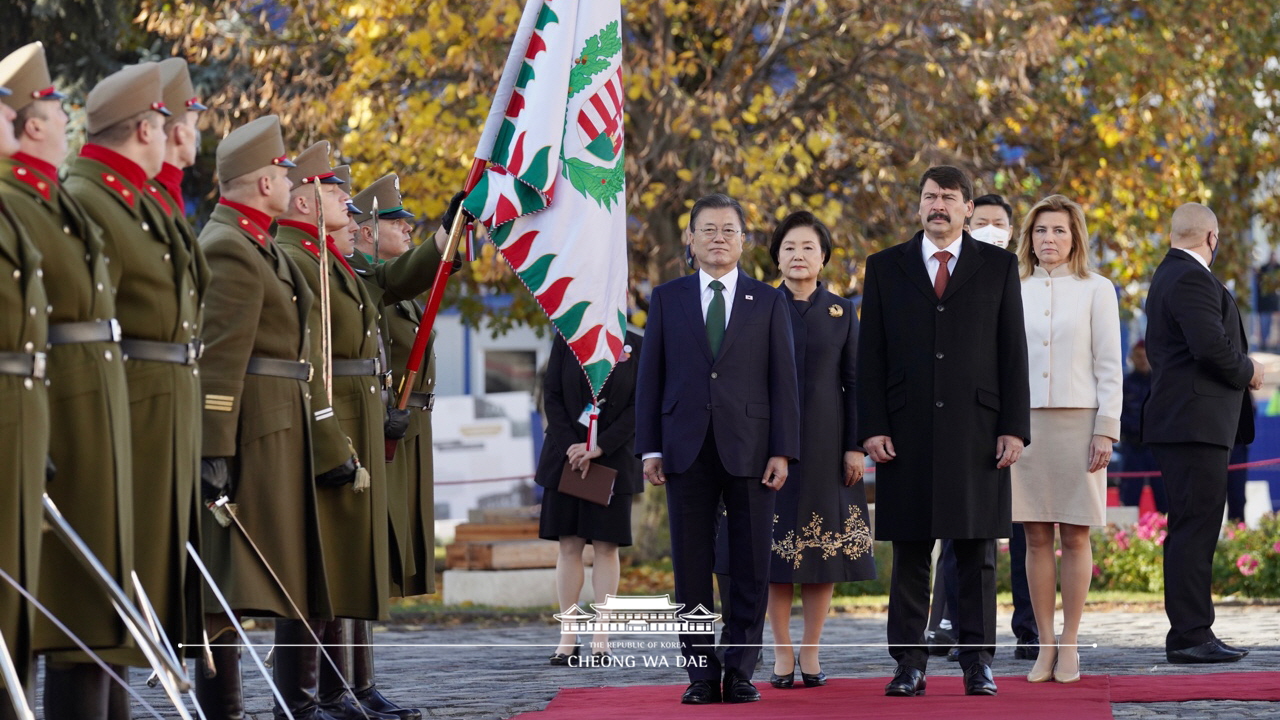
x,y
362,676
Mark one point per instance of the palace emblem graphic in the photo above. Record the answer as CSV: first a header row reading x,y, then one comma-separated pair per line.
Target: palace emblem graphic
x,y
637,614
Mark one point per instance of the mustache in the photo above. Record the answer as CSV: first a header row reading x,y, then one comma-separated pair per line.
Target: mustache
x,y
939,216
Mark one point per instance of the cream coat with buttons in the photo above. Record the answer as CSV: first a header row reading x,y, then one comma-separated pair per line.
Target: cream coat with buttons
x,y
1073,344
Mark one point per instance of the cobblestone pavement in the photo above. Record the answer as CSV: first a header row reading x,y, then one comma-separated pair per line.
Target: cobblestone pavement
x,y
485,671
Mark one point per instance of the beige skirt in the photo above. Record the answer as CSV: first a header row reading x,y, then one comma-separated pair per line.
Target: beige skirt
x,y
1051,481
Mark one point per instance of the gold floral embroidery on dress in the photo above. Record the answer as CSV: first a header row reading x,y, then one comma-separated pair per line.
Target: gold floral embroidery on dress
x,y
853,541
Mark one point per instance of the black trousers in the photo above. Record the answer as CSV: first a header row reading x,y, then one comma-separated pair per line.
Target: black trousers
x,y
975,614
693,498
1024,617
1195,478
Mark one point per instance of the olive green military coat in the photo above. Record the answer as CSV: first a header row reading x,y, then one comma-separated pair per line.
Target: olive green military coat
x,y
257,306
409,477
159,276
24,435
89,406
353,526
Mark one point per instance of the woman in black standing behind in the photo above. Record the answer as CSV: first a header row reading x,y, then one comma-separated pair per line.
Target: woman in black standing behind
x,y
821,535
572,521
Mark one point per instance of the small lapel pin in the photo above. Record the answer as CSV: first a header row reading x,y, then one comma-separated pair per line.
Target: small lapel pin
x,y
835,311
749,297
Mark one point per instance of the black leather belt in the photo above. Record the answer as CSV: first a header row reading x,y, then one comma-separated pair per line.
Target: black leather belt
x,y
179,353
421,400
85,332
29,365
348,368
273,367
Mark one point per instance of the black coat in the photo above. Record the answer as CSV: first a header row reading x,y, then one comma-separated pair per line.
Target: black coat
x,y
1200,367
565,393
944,378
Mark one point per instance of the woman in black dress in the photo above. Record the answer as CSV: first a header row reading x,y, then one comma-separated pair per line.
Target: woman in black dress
x,y
572,521
820,533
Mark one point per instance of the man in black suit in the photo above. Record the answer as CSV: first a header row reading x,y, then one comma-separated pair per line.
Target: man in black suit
x,y
944,410
1200,374
718,418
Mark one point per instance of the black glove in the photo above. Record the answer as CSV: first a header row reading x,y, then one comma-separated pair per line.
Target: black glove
x,y
344,474
396,424
49,469
454,206
215,478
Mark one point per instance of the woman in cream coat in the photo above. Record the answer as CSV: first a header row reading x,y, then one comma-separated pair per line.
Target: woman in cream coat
x,y
1073,340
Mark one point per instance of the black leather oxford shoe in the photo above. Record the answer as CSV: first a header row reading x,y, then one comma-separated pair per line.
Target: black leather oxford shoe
x,y
906,682
738,689
1210,652
978,680
701,692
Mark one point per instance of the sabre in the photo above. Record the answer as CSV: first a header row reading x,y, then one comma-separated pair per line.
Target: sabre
x,y
326,325
235,518
235,624
376,244
11,680
133,622
153,622
78,642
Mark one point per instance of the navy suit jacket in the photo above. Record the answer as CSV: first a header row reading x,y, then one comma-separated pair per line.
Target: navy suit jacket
x,y
748,396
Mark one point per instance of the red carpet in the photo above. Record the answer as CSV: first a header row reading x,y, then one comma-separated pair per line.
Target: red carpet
x,y
1264,686
842,699
1090,699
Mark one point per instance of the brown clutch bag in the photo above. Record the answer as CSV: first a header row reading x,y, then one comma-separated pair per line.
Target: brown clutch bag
x,y
596,487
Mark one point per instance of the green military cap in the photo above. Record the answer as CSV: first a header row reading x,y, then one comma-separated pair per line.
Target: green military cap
x,y
251,147
123,94
26,74
179,93
313,166
343,173
390,204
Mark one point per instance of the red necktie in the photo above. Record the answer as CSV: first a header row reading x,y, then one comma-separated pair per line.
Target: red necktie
x,y
940,280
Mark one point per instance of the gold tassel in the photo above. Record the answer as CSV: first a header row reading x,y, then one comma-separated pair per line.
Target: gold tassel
x,y
363,479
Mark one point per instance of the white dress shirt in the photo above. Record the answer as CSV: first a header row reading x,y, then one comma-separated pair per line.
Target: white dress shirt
x,y
1199,258
931,263
730,281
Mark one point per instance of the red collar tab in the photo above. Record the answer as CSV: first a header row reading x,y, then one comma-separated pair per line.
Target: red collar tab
x,y
125,169
170,177
252,221
37,173
159,196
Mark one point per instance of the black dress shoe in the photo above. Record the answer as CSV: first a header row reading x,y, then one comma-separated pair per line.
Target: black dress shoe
x,y
1210,652
346,707
978,680
371,699
1028,649
562,659
817,680
1231,648
906,682
701,692
939,641
738,689
953,655
782,682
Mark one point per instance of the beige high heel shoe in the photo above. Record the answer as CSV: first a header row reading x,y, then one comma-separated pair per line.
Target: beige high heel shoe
x,y
1069,676
1048,657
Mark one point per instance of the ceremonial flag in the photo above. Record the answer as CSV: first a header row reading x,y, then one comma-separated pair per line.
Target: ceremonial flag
x,y
553,196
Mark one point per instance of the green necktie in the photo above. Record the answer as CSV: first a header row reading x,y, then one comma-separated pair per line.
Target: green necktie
x,y
715,318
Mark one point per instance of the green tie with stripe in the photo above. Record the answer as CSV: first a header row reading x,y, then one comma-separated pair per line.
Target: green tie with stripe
x,y
715,318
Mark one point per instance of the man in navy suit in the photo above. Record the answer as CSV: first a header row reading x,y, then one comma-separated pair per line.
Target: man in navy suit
x,y
1200,374
718,417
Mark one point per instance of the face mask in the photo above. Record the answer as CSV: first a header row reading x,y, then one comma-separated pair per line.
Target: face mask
x,y
992,235
1213,252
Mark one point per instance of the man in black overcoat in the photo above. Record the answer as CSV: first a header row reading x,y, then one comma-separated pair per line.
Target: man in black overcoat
x,y
1200,374
943,410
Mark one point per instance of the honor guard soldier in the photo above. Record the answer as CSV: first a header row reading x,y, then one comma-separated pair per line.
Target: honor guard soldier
x,y
24,437
395,273
159,277
257,413
347,431
182,137
88,399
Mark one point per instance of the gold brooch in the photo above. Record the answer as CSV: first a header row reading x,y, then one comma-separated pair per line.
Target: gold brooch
x,y
835,311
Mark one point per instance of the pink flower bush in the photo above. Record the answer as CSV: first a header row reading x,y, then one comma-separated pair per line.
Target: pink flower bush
x,y
1247,564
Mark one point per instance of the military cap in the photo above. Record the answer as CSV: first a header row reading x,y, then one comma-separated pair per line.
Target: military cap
x,y
313,166
179,93
26,74
343,173
251,147
390,205
123,94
